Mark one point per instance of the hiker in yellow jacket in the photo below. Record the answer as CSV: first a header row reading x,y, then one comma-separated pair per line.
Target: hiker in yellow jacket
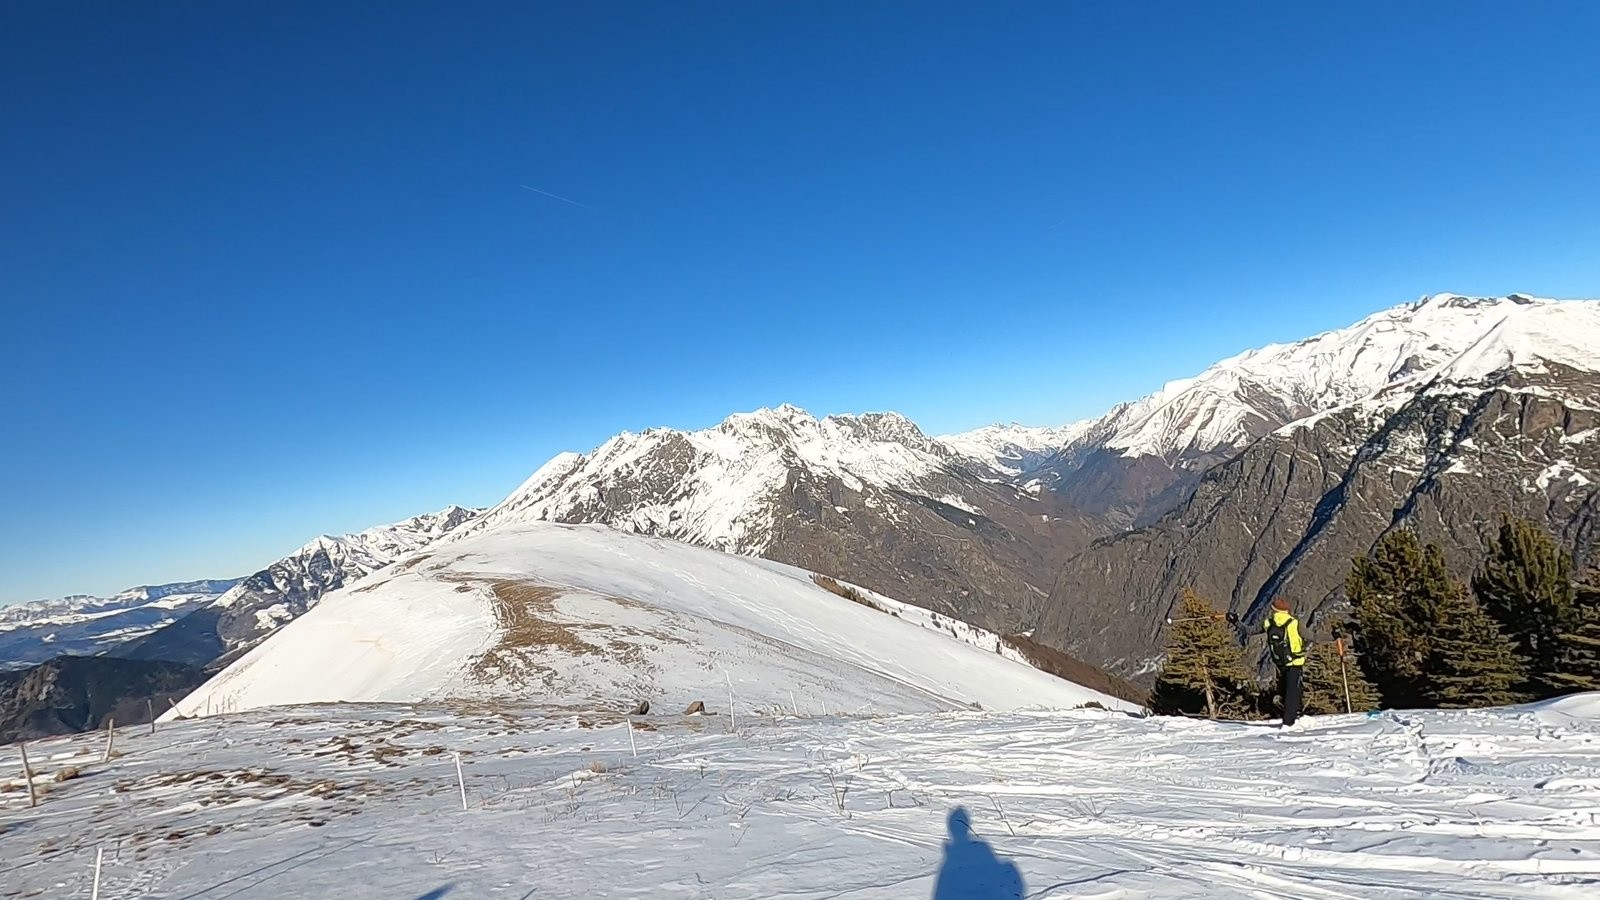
x,y
1288,650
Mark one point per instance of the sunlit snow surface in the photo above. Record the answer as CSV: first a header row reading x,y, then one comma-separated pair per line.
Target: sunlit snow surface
x,y
362,801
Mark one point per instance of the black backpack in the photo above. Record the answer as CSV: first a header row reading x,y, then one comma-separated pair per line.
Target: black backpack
x,y
1278,642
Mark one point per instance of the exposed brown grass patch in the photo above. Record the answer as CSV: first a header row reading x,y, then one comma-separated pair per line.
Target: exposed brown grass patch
x,y
598,767
529,620
526,614
832,586
1064,665
68,773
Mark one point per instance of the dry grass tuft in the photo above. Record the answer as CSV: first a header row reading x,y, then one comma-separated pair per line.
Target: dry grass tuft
x,y
598,767
832,586
68,773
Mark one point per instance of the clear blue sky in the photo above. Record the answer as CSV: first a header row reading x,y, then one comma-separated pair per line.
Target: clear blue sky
x,y
269,270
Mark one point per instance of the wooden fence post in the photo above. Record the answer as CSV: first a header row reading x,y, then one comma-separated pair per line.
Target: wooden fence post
x,y
111,734
1344,677
461,780
27,775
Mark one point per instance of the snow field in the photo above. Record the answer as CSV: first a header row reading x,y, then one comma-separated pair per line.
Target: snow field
x,y
363,801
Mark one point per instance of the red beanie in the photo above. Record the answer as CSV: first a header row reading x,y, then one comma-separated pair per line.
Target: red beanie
x,y
1280,603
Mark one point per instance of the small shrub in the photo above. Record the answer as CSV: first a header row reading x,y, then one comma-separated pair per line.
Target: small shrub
x,y
598,767
68,773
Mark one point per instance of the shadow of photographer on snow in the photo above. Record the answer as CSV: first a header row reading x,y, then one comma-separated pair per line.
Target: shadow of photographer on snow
x,y
971,871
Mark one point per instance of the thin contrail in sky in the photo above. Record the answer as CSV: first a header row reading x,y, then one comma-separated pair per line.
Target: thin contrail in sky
x,y
558,197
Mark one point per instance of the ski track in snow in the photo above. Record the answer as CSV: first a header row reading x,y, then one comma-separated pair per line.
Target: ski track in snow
x,y
362,800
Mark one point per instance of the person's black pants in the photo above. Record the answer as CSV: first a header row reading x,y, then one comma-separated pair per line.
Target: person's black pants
x,y
1289,677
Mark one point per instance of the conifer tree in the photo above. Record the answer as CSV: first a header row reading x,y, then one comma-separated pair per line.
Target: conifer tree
x,y
1204,669
1578,664
1326,682
1398,593
1526,585
1472,662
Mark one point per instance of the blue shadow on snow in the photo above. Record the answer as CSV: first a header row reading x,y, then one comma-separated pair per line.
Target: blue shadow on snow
x,y
970,870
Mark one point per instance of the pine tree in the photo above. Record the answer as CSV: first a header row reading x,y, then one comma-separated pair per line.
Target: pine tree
x,y
1398,593
1578,664
1204,669
1473,663
1326,681
1526,585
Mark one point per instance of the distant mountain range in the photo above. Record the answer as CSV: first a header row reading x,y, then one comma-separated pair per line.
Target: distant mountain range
x,y
89,626
198,623
1263,474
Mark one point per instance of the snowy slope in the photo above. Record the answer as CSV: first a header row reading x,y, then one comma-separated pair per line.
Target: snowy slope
x,y
89,626
584,617
346,801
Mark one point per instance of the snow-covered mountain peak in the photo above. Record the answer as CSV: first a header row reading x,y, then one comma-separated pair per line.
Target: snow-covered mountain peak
x,y
1244,396
1541,332
329,561
1461,301
1016,449
722,486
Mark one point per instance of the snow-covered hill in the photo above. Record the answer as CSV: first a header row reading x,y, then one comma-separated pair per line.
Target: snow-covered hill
x,y
589,618
260,604
31,633
353,801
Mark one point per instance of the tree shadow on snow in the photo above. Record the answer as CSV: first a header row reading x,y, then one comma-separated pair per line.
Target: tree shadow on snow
x,y
436,893
971,871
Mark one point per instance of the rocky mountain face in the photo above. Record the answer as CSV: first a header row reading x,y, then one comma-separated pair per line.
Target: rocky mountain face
x,y
31,633
1142,459
1510,425
69,694
251,610
868,498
